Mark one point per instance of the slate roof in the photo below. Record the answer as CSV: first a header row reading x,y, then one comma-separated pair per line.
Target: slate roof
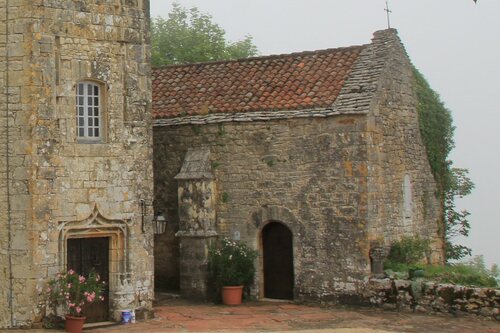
x,y
297,81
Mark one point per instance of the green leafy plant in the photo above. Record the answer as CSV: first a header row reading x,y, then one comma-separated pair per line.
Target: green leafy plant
x,y
231,263
409,252
462,274
470,273
225,197
221,131
73,291
436,129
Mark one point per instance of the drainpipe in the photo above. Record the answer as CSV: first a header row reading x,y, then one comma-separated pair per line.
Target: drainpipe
x,y
7,167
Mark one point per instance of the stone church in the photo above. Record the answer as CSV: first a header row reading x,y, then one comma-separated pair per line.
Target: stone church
x,y
314,159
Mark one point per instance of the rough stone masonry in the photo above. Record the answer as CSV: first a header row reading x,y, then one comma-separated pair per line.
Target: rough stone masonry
x,y
55,182
345,170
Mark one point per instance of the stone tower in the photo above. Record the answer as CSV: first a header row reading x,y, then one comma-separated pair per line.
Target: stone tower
x,y
75,147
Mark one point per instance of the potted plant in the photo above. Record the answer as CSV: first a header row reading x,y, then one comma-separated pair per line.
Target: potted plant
x,y
231,266
72,291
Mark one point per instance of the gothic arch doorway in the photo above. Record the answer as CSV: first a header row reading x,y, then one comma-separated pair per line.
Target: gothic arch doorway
x,y
99,243
277,250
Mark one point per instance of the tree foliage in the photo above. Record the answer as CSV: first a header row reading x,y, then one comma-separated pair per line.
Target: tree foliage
x,y
457,223
189,36
494,271
436,127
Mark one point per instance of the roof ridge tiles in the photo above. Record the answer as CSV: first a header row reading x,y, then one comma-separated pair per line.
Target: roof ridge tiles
x,y
264,57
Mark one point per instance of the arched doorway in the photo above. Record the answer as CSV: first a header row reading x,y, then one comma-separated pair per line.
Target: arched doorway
x,y
277,247
101,244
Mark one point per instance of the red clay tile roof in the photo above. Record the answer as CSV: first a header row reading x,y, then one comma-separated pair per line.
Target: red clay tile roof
x,y
295,81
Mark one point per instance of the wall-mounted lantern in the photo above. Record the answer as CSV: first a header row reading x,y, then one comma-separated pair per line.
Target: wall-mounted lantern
x,y
159,221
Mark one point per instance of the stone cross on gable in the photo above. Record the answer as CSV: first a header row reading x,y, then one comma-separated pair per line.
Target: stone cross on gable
x,y
388,11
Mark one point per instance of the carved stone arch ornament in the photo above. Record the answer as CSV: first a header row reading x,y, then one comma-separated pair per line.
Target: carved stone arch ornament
x,y
96,225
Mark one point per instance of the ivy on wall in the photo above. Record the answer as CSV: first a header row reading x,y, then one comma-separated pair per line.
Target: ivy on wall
x,y
436,128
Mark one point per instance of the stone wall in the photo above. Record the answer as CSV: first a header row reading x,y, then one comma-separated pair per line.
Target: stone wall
x,y
57,182
14,180
306,173
429,297
402,190
4,119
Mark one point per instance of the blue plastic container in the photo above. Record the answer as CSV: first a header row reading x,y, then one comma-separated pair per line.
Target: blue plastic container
x,y
126,316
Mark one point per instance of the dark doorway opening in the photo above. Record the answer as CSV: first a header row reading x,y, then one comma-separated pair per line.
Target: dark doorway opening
x,y
85,255
277,244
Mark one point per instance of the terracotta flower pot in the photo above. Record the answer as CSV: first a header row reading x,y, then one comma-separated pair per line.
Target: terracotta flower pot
x,y
74,324
232,295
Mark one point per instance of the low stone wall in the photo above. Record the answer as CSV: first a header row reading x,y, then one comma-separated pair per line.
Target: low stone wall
x,y
429,297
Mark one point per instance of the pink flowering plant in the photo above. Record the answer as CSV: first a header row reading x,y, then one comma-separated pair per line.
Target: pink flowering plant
x,y
72,291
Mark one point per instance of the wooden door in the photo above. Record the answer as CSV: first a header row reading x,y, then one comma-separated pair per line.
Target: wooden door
x,y
85,255
277,242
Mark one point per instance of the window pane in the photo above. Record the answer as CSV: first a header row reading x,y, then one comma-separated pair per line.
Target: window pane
x,y
88,110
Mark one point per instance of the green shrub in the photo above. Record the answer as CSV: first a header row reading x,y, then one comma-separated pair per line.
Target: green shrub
x,y
407,253
462,274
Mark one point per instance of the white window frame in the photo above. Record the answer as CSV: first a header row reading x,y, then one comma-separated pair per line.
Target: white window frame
x,y
89,112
